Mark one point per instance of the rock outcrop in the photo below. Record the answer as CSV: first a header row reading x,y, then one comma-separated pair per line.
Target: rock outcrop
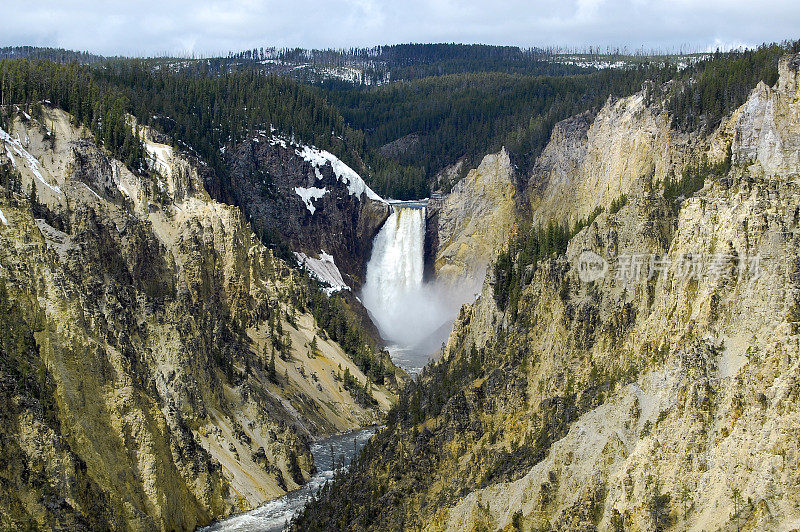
x,y
308,199
592,160
156,368
474,221
764,131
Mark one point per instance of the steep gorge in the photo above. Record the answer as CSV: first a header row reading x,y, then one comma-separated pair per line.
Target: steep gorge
x,y
655,391
159,368
630,362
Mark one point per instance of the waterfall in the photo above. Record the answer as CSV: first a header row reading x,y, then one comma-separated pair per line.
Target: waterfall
x,y
412,315
396,266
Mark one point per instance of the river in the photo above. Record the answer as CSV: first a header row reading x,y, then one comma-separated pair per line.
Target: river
x,y
273,516
414,316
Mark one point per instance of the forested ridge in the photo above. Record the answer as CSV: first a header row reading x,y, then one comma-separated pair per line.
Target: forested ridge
x,y
58,55
450,114
209,113
99,106
469,115
707,91
382,64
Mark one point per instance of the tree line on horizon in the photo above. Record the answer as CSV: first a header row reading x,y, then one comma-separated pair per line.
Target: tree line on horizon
x,y
452,117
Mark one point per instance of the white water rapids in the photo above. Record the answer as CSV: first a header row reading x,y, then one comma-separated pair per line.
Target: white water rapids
x,y
331,453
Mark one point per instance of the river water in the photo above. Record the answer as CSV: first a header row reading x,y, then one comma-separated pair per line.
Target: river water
x,y
273,516
411,359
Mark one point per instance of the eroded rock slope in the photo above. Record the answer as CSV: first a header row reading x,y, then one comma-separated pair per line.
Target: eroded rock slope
x,y
656,389
158,369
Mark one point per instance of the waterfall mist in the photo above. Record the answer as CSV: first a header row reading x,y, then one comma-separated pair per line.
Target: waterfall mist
x,y
410,313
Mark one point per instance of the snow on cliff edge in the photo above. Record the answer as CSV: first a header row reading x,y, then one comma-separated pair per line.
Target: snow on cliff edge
x,y
324,269
355,184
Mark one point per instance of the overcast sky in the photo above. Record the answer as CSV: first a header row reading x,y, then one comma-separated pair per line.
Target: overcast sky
x,y
212,27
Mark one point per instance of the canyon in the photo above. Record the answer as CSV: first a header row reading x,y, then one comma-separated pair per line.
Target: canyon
x,y
600,333
645,397
169,377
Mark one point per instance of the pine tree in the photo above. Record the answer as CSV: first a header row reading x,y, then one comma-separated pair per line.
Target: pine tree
x,y
271,367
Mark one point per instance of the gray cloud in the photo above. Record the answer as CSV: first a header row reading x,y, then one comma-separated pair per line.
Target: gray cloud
x,y
211,27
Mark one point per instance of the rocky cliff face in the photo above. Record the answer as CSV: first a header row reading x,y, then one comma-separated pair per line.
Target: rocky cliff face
x,y
647,380
764,131
309,198
139,321
592,160
705,436
474,221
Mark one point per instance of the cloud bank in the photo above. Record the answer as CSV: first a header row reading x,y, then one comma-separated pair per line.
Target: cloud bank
x,y
213,27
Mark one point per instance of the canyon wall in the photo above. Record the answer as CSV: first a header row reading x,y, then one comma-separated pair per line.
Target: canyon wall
x,y
158,369
646,378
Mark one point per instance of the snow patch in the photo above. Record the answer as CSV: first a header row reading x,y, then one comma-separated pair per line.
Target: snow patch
x,y
308,194
95,194
277,141
324,269
319,158
3,219
344,73
33,164
160,155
